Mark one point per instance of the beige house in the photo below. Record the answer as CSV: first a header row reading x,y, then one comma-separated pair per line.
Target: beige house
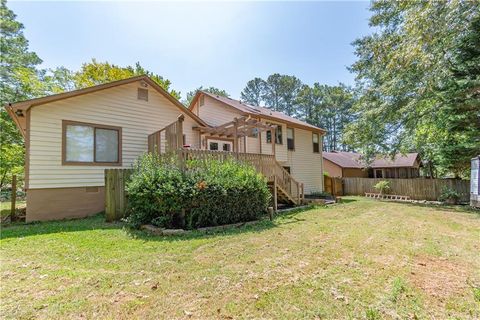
x,y
72,137
297,147
349,164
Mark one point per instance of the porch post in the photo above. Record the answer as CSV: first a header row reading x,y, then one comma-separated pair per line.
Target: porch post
x,y
180,131
273,138
245,143
235,135
259,134
260,140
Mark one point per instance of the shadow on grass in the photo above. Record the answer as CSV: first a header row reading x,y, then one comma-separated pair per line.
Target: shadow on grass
x,y
264,224
348,200
97,222
194,234
21,229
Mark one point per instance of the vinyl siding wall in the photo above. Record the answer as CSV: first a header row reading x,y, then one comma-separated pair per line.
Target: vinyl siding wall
x,y
305,165
116,106
214,112
280,149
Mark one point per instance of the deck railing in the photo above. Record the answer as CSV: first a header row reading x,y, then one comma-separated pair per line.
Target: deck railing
x,y
265,164
170,139
171,136
116,179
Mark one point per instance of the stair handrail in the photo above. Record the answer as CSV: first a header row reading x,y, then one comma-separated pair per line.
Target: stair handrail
x,y
288,183
265,164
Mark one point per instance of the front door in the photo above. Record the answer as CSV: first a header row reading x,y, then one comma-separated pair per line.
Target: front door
x,y
220,145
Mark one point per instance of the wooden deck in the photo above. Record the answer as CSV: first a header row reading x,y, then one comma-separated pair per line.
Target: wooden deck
x,y
284,187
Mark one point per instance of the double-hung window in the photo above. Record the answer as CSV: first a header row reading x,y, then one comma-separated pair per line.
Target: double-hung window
x,y
290,139
278,135
316,142
91,144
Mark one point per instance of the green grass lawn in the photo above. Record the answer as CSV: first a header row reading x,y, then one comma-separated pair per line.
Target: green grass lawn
x,y
5,207
361,259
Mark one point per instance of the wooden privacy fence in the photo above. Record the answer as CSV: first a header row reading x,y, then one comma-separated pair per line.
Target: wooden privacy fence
x,y
115,194
333,186
417,189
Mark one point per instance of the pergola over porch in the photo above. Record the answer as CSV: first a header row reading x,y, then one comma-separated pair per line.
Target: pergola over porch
x,y
284,186
242,127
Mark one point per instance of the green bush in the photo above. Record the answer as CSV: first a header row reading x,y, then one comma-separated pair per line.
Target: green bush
x,y
209,192
449,194
226,192
157,191
383,186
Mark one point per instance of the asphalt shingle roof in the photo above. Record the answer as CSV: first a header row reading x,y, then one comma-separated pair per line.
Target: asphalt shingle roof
x,y
353,160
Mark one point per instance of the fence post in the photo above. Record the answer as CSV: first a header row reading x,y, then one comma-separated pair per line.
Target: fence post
x,y
181,159
298,193
109,196
275,202
13,197
180,131
302,188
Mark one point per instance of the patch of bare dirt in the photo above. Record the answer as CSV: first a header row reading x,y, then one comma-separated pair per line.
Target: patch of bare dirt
x,y
439,277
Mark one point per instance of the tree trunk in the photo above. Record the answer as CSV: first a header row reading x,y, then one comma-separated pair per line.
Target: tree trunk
x,y
2,181
430,168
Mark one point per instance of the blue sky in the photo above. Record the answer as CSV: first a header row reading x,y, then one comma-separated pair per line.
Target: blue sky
x,y
201,43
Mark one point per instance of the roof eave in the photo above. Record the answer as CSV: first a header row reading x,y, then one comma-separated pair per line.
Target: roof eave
x,y
14,117
27,104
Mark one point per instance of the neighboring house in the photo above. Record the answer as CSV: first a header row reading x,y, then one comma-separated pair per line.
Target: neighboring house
x,y
72,137
349,164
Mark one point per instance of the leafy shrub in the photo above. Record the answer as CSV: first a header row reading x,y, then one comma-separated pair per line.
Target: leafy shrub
x,y
449,194
225,192
157,191
383,186
209,193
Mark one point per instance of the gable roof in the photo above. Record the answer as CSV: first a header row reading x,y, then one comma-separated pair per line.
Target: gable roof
x,y
353,160
344,159
23,106
256,111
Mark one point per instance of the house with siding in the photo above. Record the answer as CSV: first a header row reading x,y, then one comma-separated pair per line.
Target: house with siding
x,y
350,164
72,137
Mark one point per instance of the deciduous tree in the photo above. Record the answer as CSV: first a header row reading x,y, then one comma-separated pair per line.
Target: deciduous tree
x,y
417,77
213,90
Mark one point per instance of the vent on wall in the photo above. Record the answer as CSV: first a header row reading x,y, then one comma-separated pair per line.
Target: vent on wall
x,y
142,94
